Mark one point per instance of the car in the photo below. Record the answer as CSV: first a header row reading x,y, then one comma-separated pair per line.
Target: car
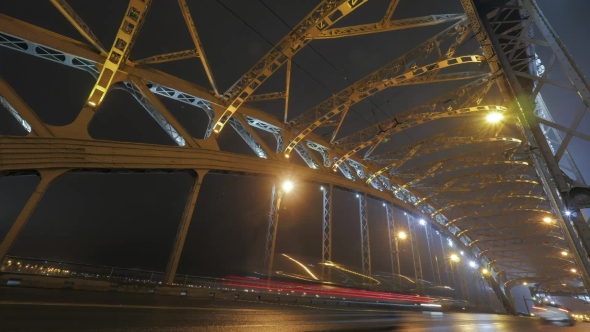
x,y
554,313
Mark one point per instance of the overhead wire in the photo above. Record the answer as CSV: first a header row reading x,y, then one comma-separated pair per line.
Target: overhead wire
x,y
292,61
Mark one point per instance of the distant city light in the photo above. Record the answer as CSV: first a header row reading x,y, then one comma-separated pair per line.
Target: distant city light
x,y
494,117
287,186
422,222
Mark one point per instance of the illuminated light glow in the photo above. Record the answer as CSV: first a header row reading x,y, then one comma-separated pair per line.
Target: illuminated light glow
x,y
430,305
472,264
357,195
525,283
422,222
564,253
494,117
567,213
402,235
455,258
547,220
485,271
91,103
574,271
461,252
286,155
322,188
287,186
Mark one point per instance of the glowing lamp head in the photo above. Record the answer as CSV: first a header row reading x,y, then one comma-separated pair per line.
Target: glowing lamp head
x,y
287,155
422,222
568,213
547,220
402,235
472,264
287,186
454,258
525,283
91,103
485,271
574,271
564,253
494,117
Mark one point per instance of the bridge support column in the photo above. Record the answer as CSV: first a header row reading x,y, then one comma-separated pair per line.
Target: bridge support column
x,y
187,216
271,235
393,248
326,232
365,244
47,177
416,255
429,241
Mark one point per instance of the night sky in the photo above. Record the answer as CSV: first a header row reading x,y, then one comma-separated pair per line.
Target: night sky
x,y
129,220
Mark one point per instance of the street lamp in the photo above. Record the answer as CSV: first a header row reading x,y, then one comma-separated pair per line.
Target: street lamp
x,y
422,222
494,117
574,271
287,186
455,258
547,220
485,272
402,235
564,253
472,264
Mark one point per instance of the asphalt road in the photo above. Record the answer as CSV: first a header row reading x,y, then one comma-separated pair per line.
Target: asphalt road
x,y
51,310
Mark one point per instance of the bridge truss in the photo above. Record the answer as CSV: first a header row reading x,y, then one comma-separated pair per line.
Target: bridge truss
x,y
487,188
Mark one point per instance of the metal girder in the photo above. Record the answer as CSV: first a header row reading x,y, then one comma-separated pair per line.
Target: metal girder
x,y
240,128
46,178
167,57
447,105
430,245
377,81
155,109
71,15
365,244
324,151
192,29
512,88
422,148
309,159
327,13
406,23
126,35
271,234
267,96
393,246
183,226
326,232
416,254
406,121
492,200
499,213
21,111
445,140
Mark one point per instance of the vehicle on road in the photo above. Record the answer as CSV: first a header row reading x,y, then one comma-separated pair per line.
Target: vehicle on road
x,y
554,314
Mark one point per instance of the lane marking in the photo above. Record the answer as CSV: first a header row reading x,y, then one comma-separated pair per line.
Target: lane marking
x,y
125,306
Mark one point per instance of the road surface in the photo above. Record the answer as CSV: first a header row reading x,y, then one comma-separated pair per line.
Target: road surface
x,y
61,310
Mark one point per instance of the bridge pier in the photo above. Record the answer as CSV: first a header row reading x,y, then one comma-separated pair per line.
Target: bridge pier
x,y
271,235
365,244
326,231
393,247
415,254
47,177
187,216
